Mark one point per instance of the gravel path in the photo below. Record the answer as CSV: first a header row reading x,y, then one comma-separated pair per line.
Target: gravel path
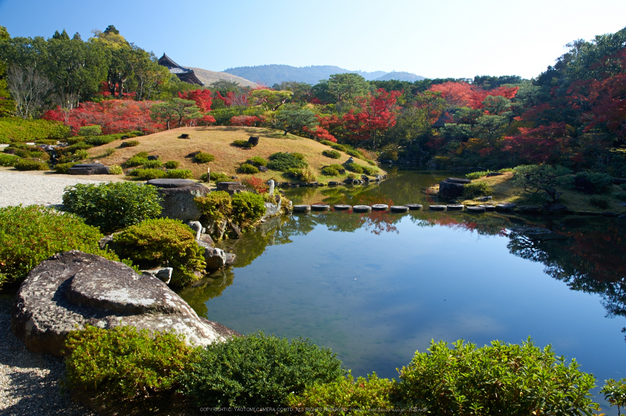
x,y
29,382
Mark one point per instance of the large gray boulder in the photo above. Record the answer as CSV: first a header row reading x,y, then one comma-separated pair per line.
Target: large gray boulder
x,y
178,198
452,188
73,289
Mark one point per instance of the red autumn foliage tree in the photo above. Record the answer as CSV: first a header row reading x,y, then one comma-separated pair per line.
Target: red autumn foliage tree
x,y
114,116
202,98
234,99
544,144
377,113
245,121
462,94
320,133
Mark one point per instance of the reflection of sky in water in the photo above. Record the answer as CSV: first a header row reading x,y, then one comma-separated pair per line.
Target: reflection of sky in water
x,y
376,299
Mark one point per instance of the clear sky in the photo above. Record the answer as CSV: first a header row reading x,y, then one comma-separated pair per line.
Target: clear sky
x,y
435,39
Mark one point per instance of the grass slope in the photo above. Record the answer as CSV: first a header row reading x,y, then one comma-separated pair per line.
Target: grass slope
x,y
217,141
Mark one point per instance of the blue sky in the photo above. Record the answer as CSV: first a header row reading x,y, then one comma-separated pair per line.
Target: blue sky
x,y
445,38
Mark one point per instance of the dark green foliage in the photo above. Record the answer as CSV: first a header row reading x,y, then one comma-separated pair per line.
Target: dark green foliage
x,y
540,178
179,174
338,146
31,164
63,167
135,161
100,140
243,143
117,365
248,208
476,189
354,167
360,396
93,130
216,177
333,154
202,157
17,129
146,174
615,393
327,142
8,160
329,171
129,143
171,164
284,161
248,168
258,371
370,171
354,153
476,175
113,206
152,164
216,205
593,182
599,202
257,161
31,234
500,379
162,242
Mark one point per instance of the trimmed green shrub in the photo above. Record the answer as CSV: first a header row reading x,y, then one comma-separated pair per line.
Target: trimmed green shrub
x,y
100,140
113,206
354,153
81,154
17,129
31,164
8,160
135,161
284,161
359,396
31,234
162,242
202,157
333,154
118,365
179,174
354,167
339,147
593,182
171,164
243,144
115,170
153,164
130,143
477,175
93,130
500,379
476,189
248,208
369,171
63,167
257,371
257,161
371,162
248,169
146,174
215,205
327,142
329,171
540,178
216,177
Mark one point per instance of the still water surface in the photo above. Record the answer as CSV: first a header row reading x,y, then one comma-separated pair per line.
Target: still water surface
x,y
378,287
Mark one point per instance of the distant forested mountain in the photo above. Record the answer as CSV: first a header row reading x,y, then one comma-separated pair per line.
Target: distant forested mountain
x,y
275,74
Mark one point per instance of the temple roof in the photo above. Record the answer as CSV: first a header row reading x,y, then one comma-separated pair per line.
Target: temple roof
x,y
184,74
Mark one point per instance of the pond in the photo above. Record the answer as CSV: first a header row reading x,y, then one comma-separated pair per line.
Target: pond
x,y
377,287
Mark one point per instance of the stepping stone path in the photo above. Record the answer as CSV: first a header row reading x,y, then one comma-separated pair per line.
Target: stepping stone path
x,y
414,207
380,207
489,207
399,208
437,207
301,208
361,208
342,207
455,207
88,169
320,207
475,209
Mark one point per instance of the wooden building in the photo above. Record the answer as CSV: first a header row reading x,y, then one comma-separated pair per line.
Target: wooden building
x,y
184,74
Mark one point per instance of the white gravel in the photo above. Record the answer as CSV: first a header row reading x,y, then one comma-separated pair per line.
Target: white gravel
x,y
29,382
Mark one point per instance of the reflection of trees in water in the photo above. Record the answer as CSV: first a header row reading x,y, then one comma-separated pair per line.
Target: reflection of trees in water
x,y
208,288
489,224
591,259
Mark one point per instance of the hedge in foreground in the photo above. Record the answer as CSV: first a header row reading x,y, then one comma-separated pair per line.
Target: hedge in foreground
x,y
258,371
500,379
113,206
31,234
122,364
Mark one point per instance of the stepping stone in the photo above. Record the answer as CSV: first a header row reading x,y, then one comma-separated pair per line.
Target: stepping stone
x,y
505,207
342,207
380,207
414,207
361,208
320,207
399,208
88,169
301,208
437,207
455,207
489,207
475,209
